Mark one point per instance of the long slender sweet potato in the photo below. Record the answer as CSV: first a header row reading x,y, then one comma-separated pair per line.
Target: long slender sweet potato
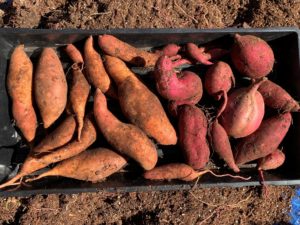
x,y
79,93
220,143
126,138
180,171
94,69
192,126
139,104
50,87
271,161
19,85
57,138
263,141
276,97
92,165
117,48
75,147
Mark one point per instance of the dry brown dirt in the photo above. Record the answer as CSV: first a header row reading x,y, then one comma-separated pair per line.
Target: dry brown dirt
x,y
201,206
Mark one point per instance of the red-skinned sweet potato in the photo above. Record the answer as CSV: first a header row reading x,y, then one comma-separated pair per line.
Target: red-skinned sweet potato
x,y
263,141
19,85
276,97
220,143
252,56
244,111
271,161
192,126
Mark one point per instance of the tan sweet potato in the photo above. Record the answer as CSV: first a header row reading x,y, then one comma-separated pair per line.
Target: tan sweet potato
x,y
126,138
79,93
74,54
92,165
75,147
117,48
57,138
94,69
50,87
181,171
139,104
19,85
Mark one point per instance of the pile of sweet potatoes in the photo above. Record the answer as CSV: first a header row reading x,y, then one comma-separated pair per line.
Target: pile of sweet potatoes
x,y
98,96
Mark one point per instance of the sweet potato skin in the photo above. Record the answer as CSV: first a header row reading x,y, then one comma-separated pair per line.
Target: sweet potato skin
x,y
92,165
94,68
276,97
117,48
19,85
252,56
172,171
220,143
50,87
79,93
126,138
139,104
218,78
271,161
57,138
173,87
263,141
192,126
74,54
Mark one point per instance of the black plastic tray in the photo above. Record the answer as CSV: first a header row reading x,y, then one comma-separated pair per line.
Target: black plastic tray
x,y
284,41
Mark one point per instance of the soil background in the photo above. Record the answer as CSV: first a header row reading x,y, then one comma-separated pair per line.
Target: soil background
x,y
201,206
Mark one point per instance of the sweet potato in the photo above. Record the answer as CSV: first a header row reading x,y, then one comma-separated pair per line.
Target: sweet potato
x,y
112,46
219,79
271,161
94,69
179,88
139,104
197,54
126,138
265,140
92,165
244,111
57,138
180,171
169,50
74,54
220,143
33,163
79,93
276,97
192,126
50,87
252,56
19,85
